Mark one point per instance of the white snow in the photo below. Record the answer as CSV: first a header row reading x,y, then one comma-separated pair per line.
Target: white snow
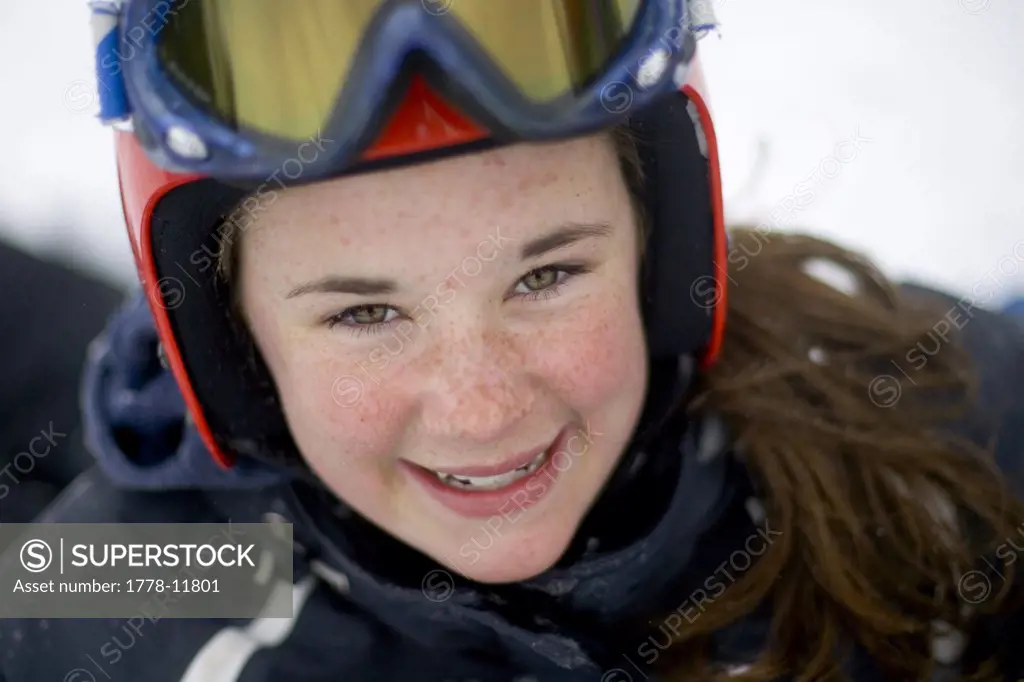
x,y
934,85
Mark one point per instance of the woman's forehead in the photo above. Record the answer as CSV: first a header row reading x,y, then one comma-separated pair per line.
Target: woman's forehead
x,y
525,188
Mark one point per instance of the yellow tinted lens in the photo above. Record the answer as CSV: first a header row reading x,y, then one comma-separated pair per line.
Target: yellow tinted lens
x,y
268,65
277,66
548,47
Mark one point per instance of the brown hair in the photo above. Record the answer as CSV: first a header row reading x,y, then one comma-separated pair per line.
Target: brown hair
x,y
877,509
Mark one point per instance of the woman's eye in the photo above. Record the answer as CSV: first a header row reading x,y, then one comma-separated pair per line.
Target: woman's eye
x,y
364,317
547,281
540,279
370,314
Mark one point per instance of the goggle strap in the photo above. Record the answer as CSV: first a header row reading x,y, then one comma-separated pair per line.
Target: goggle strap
x,y
702,17
110,87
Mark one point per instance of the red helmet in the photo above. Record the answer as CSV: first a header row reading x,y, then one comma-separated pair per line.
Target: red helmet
x,y
172,222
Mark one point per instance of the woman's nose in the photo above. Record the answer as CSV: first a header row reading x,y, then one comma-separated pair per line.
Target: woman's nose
x,y
479,389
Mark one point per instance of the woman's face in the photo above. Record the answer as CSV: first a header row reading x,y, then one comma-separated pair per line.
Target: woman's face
x,y
458,346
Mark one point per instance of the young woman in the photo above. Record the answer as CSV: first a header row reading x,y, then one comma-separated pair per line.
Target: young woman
x,y
478,357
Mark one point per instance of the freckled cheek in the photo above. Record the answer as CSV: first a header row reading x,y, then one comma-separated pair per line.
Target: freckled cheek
x,y
597,352
335,409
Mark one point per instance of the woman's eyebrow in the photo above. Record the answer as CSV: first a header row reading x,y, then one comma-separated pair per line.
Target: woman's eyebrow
x,y
562,236
334,284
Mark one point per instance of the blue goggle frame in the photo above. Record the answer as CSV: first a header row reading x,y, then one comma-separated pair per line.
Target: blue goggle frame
x,y
180,137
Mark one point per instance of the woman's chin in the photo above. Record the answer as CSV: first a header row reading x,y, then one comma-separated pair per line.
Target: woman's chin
x,y
506,567
508,559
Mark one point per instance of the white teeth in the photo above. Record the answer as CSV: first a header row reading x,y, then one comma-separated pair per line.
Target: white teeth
x,y
492,482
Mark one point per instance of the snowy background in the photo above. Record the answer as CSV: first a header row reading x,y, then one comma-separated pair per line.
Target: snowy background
x,y
935,86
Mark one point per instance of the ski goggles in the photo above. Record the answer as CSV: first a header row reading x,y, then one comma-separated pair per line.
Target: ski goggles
x,y
232,88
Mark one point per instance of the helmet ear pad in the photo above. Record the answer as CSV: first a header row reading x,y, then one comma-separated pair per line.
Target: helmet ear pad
x,y
227,374
229,379
678,289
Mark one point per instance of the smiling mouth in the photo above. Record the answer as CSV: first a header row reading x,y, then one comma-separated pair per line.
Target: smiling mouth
x,y
496,482
495,477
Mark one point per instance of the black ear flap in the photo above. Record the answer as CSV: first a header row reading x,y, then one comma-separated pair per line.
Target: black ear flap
x,y
678,277
228,377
